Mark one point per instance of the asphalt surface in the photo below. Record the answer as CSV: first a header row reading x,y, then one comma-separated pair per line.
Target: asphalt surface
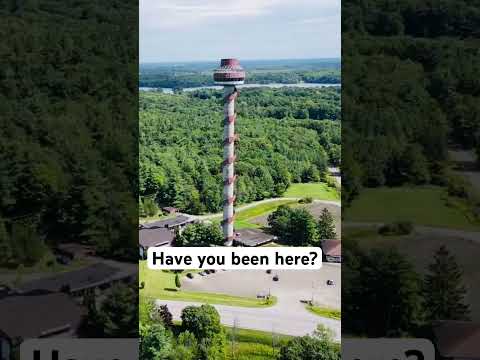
x,y
289,315
281,318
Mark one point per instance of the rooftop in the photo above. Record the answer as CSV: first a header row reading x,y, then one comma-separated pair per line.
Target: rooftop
x,y
90,276
457,339
229,73
252,237
168,223
149,237
39,315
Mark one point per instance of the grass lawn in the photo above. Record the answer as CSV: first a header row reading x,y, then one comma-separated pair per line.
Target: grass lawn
x,y
242,217
317,191
325,312
429,206
161,285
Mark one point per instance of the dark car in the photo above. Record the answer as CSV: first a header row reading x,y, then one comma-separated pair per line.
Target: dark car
x,y
275,278
330,282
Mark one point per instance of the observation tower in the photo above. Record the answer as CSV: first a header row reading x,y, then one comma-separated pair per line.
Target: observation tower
x,y
229,74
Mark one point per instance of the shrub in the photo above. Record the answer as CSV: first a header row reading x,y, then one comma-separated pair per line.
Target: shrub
x,y
396,228
178,283
331,182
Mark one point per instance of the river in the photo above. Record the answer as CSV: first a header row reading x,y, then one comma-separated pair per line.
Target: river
x,y
273,85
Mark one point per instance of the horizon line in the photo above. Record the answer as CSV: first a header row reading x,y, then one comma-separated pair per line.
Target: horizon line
x,y
246,59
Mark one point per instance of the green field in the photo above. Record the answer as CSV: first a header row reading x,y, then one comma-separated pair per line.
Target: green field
x,y
325,312
242,217
429,206
160,284
244,344
317,191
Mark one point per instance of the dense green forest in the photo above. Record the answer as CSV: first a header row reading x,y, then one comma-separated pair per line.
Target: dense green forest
x,y
411,88
68,149
258,72
286,135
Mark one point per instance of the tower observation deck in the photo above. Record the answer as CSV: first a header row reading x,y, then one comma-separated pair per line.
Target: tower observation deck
x,y
229,74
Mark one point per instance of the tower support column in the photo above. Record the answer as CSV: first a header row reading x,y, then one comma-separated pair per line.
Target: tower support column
x,y
229,137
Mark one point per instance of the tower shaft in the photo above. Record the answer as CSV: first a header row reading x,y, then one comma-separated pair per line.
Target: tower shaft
x,y
229,137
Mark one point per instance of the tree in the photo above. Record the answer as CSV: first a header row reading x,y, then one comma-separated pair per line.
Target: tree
x,y
202,321
161,314
149,207
382,292
5,246
303,229
30,247
200,235
178,284
118,315
326,225
155,342
278,221
318,346
444,291
186,347
141,208
294,226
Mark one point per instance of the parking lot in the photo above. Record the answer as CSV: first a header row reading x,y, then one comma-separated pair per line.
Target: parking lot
x,y
292,285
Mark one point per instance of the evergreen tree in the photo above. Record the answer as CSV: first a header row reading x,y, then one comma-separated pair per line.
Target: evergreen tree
x,y
118,315
166,316
326,225
444,292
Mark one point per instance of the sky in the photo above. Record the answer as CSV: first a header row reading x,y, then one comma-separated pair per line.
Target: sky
x,y
206,30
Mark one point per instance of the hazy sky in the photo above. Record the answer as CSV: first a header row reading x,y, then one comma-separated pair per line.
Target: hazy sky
x,y
188,30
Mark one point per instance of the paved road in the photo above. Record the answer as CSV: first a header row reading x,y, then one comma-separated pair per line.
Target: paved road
x,y
473,236
281,318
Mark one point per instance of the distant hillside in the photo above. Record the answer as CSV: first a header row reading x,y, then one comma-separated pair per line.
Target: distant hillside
x,y
181,75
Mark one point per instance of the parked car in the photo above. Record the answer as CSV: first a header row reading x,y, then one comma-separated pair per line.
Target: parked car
x,y
269,271
330,282
275,278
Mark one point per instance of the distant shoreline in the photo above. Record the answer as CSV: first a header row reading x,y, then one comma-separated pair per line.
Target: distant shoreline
x,y
213,87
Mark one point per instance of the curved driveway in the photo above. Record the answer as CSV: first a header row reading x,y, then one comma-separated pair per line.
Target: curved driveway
x,y
288,316
281,318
